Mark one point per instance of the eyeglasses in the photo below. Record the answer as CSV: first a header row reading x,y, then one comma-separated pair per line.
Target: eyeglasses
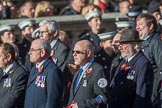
x,y
78,52
31,50
42,32
123,45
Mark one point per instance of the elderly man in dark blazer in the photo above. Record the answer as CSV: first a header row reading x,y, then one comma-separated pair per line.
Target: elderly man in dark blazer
x,y
131,86
89,84
13,79
45,84
49,30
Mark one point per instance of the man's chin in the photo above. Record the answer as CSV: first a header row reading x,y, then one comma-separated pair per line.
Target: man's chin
x,y
77,63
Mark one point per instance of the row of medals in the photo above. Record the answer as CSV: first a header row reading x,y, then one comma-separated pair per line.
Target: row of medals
x,y
40,81
131,75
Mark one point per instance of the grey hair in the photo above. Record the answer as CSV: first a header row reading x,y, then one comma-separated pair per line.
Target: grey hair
x,y
45,45
51,24
89,45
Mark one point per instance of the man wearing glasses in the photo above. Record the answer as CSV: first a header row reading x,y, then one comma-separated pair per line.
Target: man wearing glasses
x,y
88,88
49,30
131,85
45,84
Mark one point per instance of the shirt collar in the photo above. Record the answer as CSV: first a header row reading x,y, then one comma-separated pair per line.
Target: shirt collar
x,y
129,59
9,67
147,37
87,64
40,64
53,42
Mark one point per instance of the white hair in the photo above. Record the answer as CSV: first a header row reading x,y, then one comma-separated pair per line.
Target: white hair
x,y
51,24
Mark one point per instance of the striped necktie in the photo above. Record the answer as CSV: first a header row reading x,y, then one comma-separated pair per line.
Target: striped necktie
x,y
76,82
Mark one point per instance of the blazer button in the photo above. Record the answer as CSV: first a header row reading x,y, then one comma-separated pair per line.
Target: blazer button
x,y
121,83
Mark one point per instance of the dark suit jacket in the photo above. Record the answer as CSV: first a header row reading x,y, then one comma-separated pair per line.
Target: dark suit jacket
x,y
115,62
105,60
135,93
60,54
88,88
48,96
13,96
153,51
23,50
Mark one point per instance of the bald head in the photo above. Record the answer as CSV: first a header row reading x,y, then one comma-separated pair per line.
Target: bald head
x,y
83,51
42,44
40,49
86,44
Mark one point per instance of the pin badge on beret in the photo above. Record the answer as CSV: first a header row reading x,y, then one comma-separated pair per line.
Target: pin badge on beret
x,y
102,82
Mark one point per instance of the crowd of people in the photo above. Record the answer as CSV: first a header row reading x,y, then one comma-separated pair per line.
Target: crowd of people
x,y
42,66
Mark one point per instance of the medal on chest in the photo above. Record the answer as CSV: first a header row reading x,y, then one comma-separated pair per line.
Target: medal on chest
x,y
40,81
7,82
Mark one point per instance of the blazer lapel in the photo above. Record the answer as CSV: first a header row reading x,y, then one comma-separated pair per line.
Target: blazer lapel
x,y
33,74
1,74
55,46
84,77
10,72
116,73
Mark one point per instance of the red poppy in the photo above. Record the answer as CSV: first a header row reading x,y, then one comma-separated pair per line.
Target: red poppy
x,y
40,69
68,106
89,70
125,67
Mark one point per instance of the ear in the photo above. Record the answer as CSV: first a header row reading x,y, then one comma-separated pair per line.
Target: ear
x,y
89,53
43,52
89,23
101,44
56,33
151,27
23,31
8,57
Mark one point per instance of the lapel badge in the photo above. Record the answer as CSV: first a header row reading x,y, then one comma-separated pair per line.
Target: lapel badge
x,y
54,60
84,83
84,75
7,82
